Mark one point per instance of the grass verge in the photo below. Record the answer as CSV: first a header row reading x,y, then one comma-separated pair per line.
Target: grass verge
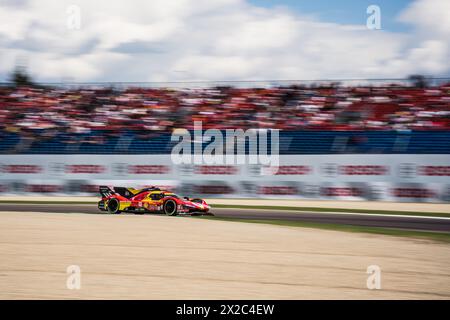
x,y
315,209
428,235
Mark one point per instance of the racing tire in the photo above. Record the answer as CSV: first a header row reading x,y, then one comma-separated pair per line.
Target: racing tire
x,y
170,207
113,206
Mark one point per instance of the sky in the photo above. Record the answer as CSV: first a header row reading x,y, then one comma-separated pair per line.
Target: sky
x,y
201,40
344,11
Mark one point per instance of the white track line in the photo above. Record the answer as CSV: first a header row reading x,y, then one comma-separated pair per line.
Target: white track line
x,y
344,213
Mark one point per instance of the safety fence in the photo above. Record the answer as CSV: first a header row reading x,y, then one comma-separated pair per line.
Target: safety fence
x,y
400,177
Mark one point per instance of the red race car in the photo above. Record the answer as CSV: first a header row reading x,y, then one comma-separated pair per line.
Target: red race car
x,y
149,200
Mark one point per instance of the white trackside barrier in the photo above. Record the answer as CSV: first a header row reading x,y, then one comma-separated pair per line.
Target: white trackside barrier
x,y
338,177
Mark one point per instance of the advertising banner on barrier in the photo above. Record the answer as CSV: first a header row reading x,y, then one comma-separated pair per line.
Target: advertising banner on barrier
x,y
346,177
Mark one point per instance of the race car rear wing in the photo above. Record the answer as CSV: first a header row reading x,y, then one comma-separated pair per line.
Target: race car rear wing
x,y
106,191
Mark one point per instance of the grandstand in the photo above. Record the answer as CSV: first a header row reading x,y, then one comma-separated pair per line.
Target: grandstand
x,y
319,118
291,142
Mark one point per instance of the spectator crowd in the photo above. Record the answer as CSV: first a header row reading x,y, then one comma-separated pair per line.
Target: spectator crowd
x,y
48,111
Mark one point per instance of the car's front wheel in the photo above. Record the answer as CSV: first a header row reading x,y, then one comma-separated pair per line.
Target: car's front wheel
x,y
113,206
170,208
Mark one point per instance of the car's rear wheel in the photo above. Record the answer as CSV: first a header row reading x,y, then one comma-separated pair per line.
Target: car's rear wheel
x,y
113,206
170,208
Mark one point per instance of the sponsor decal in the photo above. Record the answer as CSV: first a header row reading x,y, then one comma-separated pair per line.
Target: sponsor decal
x,y
434,170
225,170
22,168
210,189
279,190
294,170
43,188
413,193
333,170
342,192
364,170
89,188
148,169
85,168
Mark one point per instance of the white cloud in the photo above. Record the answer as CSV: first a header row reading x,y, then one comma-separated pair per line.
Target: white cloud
x,y
162,40
431,17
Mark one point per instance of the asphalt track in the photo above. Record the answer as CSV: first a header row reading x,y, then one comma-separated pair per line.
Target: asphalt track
x,y
372,220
